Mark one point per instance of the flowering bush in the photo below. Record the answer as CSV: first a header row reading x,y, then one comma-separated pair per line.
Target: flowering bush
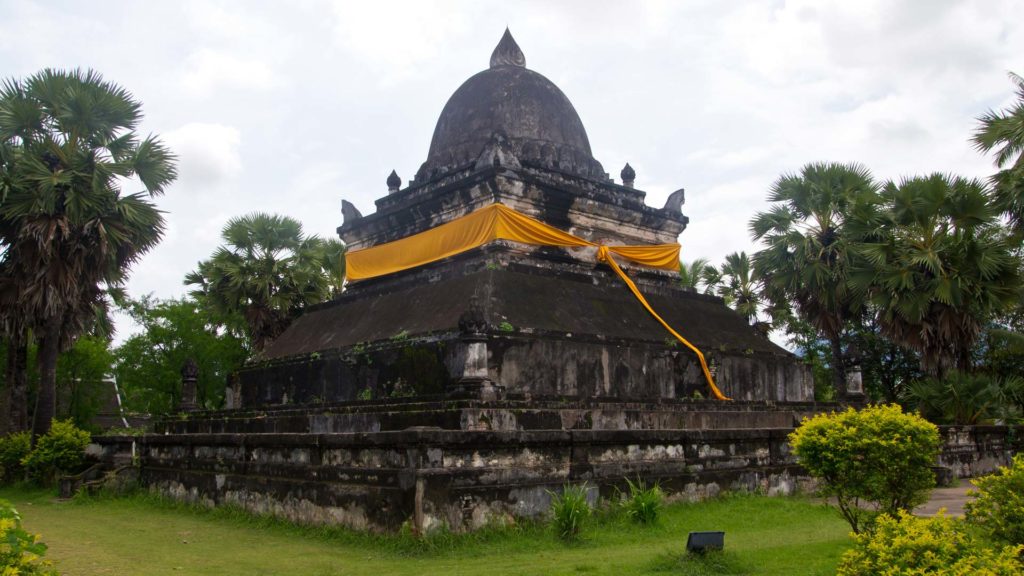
x,y
20,552
872,461
940,546
998,506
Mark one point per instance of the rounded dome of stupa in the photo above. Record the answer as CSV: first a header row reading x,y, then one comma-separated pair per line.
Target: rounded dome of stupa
x,y
517,107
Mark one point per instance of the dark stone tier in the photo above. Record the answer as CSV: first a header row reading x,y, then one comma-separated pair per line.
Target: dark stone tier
x,y
551,326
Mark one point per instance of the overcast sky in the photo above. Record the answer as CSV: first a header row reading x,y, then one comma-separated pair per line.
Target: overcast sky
x,y
289,107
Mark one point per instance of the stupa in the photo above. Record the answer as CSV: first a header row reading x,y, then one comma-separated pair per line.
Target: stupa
x,y
455,386
547,321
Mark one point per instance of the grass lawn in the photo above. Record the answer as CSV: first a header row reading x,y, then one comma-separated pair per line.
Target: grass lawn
x,y
141,535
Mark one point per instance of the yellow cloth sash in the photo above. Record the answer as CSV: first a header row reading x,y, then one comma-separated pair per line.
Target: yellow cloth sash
x,y
499,222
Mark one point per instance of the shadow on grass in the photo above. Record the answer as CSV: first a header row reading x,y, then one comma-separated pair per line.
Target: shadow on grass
x,y
709,564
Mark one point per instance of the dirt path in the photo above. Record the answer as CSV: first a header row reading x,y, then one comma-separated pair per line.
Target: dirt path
x,y
952,499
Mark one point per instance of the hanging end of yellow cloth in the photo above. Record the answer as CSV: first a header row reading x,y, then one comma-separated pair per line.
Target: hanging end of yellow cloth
x,y
604,255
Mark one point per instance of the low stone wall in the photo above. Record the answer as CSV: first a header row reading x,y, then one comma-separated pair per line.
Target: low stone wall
x,y
970,451
465,479
462,480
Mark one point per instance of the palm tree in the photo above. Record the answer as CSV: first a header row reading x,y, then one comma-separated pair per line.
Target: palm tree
x,y
67,230
939,268
692,275
738,286
807,256
1003,132
265,274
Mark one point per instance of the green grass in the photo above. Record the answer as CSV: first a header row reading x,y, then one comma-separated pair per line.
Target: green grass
x,y
143,535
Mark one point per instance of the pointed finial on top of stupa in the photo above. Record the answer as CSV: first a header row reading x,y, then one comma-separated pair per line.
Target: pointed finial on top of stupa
x,y
628,176
507,52
394,182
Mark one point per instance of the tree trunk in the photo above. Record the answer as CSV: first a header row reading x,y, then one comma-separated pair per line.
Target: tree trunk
x,y
838,369
46,399
16,392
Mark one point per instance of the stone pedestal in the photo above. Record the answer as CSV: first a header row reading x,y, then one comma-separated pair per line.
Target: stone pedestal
x,y
470,377
854,384
189,378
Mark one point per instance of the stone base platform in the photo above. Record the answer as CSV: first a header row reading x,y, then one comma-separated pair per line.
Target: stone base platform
x,y
456,479
461,464
464,464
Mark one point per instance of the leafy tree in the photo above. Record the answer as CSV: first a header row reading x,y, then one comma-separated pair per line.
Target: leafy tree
x,y
1000,349
1003,133
149,363
807,256
265,274
67,230
886,367
82,373
938,268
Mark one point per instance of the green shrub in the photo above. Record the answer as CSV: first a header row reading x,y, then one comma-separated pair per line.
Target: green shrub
x,y
998,506
942,546
20,552
59,451
644,503
13,449
876,460
569,511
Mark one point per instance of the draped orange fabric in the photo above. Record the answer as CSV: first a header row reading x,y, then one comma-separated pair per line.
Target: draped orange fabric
x,y
499,222
495,222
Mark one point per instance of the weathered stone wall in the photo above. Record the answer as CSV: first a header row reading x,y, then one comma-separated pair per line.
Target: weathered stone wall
x,y
462,480
466,479
970,451
527,364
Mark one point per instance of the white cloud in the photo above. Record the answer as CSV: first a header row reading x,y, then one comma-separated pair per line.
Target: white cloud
x,y
208,154
393,38
207,71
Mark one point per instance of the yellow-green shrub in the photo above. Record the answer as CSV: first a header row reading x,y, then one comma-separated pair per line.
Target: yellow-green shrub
x,y
20,552
59,451
998,506
939,546
872,461
13,449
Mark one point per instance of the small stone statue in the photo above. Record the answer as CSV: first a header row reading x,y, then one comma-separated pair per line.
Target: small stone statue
x,y
854,377
349,212
190,370
472,322
189,377
675,201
